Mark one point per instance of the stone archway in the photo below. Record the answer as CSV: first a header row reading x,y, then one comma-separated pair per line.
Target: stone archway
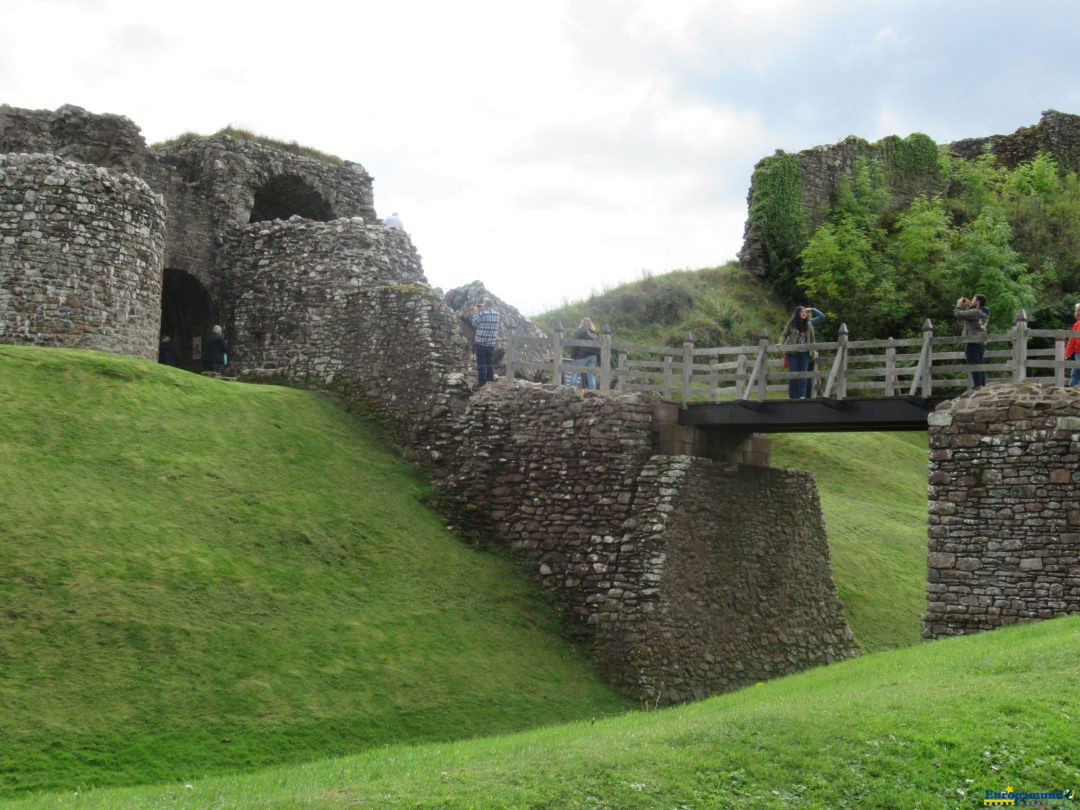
x,y
186,315
286,195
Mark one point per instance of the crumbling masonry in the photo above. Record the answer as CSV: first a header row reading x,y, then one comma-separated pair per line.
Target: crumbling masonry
x,y
688,576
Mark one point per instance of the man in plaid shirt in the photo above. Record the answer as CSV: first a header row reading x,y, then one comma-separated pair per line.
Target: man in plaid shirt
x,y
486,320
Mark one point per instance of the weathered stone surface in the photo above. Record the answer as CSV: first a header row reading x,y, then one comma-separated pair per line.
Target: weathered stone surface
x,y
1003,551
80,255
672,566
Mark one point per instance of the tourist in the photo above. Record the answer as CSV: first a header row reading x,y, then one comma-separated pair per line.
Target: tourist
x,y
167,353
215,351
975,315
585,355
486,320
393,222
799,330
1072,350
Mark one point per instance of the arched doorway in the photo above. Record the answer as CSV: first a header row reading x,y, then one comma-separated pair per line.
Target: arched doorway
x,y
186,315
286,195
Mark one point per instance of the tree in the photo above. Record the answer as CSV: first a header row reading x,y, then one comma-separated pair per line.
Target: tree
x,y
844,275
986,263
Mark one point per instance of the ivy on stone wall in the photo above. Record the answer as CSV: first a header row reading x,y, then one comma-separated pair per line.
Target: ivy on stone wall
x,y
776,213
913,156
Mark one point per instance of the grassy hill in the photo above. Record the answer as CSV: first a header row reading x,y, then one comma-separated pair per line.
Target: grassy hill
x,y
933,726
720,306
201,576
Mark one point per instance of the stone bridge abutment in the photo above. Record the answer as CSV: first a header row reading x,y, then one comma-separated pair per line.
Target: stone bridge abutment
x,y
689,576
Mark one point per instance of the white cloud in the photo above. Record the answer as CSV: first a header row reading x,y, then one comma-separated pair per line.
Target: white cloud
x,y
551,148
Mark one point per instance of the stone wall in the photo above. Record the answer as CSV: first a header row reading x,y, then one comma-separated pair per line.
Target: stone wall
x,y
639,552
735,563
1004,523
70,132
81,253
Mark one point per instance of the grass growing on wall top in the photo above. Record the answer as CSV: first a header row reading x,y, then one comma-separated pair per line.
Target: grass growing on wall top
x,y
199,576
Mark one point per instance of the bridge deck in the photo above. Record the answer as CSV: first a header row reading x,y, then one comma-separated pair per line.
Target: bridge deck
x,y
812,415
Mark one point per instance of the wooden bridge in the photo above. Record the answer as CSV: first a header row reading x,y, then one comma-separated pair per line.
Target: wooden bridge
x,y
856,384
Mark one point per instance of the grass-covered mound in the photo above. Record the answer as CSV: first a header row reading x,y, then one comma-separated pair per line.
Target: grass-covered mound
x,y
930,726
199,576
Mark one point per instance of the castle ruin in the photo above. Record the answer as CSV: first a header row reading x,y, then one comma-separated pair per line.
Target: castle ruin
x,y
106,244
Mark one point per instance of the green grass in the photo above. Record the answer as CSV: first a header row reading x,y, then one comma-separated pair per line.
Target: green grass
x,y
873,497
200,576
932,726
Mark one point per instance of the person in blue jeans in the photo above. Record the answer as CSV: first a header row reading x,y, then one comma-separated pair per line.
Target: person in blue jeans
x,y
975,315
585,355
800,330
485,318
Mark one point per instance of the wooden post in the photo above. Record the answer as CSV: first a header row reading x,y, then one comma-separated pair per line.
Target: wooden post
x,y
620,379
1059,357
687,370
890,368
740,374
667,376
928,352
605,358
556,356
714,378
1019,352
763,365
838,372
922,370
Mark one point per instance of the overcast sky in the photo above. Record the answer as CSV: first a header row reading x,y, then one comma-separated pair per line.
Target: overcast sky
x,y
552,148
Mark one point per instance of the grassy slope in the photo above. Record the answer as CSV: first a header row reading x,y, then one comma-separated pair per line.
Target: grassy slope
x,y
933,726
197,576
873,496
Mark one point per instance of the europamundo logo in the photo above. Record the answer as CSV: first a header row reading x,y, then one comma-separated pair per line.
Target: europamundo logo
x,y
1024,798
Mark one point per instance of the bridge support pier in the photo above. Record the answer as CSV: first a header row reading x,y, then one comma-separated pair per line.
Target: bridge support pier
x,y
1004,529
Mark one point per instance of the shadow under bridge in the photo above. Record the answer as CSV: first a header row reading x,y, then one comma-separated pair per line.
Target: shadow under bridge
x,y
805,415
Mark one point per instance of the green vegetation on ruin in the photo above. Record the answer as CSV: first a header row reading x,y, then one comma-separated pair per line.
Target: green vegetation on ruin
x,y
246,135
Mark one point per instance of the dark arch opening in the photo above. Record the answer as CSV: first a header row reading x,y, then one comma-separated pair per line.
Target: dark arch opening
x,y
286,195
186,316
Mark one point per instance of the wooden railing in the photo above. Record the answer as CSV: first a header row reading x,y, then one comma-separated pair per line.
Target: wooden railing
x,y
932,365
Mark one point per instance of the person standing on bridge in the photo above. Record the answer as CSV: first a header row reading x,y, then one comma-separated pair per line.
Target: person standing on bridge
x,y
585,355
800,330
1072,350
486,320
975,315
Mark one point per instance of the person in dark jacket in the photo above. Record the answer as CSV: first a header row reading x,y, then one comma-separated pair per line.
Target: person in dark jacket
x,y
215,351
167,353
